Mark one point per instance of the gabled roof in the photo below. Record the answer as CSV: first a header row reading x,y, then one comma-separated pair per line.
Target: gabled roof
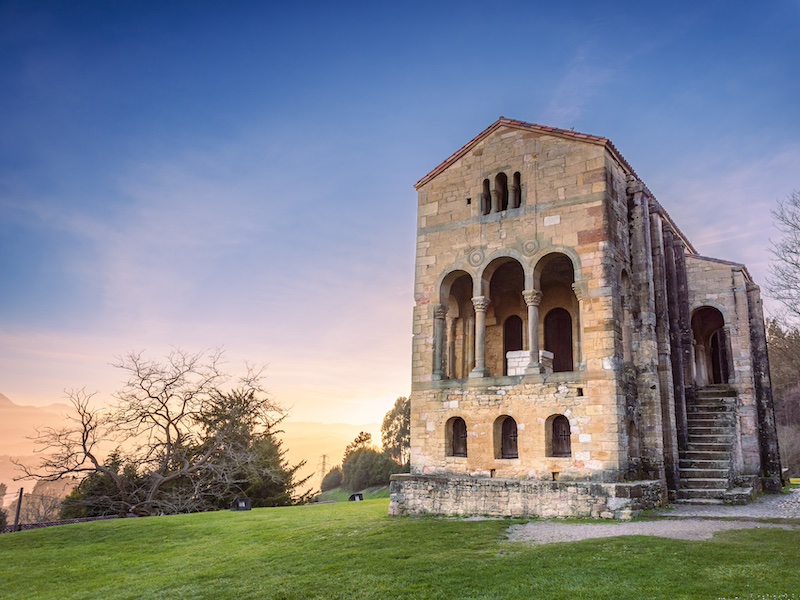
x,y
503,122
567,134
724,262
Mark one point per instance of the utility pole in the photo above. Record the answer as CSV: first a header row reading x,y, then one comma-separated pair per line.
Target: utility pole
x,y
323,469
19,506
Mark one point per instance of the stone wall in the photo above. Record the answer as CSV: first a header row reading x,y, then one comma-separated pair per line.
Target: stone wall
x,y
590,407
415,495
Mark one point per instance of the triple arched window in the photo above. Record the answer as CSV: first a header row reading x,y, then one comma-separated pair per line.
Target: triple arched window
x,y
558,437
500,194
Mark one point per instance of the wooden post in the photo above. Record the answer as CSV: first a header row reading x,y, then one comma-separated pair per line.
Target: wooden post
x,y
16,516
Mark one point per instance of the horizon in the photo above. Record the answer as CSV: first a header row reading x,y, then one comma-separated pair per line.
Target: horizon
x,y
197,176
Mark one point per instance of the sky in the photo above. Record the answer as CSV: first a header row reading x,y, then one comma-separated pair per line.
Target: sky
x,y
240,175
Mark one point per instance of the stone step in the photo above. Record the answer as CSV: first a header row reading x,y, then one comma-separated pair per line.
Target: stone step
x,y
708,408
721,421
726,439
716,392
710,419
703,431
708,446
712,403
719,398
705,455
704,483
693,494
699,473
703,464
705,501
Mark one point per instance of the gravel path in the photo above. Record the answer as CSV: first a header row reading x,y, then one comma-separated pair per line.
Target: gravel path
x,y
682,522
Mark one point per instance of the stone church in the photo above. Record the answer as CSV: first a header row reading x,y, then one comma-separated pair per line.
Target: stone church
x,y
573,354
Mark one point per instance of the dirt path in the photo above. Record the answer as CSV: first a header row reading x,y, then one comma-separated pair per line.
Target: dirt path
x,y
684,522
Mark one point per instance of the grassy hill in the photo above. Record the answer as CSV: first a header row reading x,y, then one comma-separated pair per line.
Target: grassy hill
x,y
353,550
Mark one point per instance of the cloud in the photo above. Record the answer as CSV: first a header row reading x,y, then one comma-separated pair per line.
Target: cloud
x,y
586,74
723,200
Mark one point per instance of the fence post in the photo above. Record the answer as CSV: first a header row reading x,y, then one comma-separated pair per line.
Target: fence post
x,y
19,506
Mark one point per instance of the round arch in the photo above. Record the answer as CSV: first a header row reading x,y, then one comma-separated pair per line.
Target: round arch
x,y
493,262
713,363
446,280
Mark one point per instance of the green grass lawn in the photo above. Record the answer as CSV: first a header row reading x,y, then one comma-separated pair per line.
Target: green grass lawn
x,y
353,550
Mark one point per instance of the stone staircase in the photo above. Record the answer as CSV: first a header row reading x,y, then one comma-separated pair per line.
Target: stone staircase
x,y
705,464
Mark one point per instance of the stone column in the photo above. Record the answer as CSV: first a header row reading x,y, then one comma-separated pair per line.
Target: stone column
x,y
480,303
579,289
514,196
439,314
727,354
532,299
469,344
495,201
700,365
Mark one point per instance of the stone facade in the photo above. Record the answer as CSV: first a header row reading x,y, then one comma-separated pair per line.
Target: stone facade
x,y
566,331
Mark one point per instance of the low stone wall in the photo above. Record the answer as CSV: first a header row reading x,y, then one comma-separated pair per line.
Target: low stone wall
x,y
425,494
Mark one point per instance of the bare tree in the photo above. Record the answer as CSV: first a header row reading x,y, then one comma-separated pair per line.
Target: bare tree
x,y
784,280
174,428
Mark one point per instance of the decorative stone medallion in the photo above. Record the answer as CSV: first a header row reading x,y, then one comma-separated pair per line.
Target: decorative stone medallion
x,y
476,257
530,247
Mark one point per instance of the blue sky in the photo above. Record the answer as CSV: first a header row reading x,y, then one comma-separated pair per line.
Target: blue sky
x,y
241,174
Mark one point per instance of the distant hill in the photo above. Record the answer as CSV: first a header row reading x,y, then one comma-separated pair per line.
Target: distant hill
x,y
19,423
303,440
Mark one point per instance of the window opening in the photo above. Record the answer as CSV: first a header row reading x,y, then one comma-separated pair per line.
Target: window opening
x,y
459,437
508,444
501,184
516,191
562,443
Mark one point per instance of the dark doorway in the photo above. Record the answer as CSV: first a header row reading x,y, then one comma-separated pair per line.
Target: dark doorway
x,y
562,444
558,338
512,338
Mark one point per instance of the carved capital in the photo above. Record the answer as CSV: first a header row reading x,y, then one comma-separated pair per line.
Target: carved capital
x,y
580,291
439,311
481,303
634,185
532,297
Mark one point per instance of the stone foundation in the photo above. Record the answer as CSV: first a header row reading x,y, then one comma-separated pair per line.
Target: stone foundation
x,y
423,494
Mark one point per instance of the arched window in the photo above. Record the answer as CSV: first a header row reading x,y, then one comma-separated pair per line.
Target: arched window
x,y
512,338
486,198
562,443
516,191
505,431
501,185
558,338
456,443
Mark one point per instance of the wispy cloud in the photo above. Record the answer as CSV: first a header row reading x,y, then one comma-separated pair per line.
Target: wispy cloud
x,y
585,75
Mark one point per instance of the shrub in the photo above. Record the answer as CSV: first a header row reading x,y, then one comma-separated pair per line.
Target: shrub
x,y
3,519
